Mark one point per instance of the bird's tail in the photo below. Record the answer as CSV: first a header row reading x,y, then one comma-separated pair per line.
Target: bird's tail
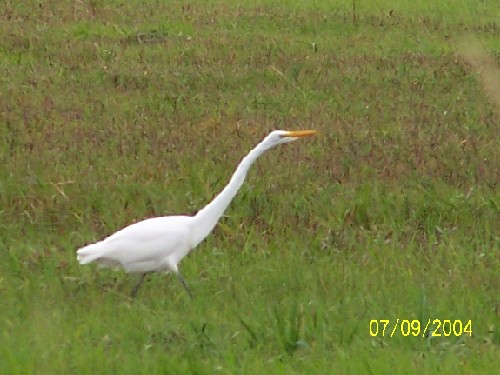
x,y
89,253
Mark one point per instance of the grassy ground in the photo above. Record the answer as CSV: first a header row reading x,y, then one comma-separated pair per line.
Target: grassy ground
x,y
111,112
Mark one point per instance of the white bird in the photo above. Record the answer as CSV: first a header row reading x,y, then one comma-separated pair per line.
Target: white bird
x,y
160,243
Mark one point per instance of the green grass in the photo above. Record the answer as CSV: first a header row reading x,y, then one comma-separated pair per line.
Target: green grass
x,y
111,112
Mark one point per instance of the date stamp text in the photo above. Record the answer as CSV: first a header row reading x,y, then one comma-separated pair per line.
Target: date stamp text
x,y
416,328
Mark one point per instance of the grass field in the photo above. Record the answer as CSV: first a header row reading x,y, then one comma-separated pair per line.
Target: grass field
x,y
111,112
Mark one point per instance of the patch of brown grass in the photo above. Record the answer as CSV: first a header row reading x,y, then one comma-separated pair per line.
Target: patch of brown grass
x,y
484,65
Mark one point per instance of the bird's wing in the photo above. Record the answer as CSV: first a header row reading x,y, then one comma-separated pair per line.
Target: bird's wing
x,y
150,229
151,240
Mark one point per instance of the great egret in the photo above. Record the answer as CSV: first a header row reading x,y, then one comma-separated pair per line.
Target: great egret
x,y
160,243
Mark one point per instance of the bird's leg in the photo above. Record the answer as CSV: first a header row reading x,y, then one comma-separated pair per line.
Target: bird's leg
x,y
138,285
184,284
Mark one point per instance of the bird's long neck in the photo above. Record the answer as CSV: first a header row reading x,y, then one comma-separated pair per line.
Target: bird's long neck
x,y
206,219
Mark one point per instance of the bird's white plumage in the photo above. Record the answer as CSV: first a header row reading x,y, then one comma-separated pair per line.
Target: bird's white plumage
x,y
159,244
155,244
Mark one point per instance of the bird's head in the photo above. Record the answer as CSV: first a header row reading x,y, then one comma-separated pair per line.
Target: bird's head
x,y
277,137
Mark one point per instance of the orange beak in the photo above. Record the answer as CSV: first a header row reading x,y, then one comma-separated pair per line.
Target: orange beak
x,y
300,133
